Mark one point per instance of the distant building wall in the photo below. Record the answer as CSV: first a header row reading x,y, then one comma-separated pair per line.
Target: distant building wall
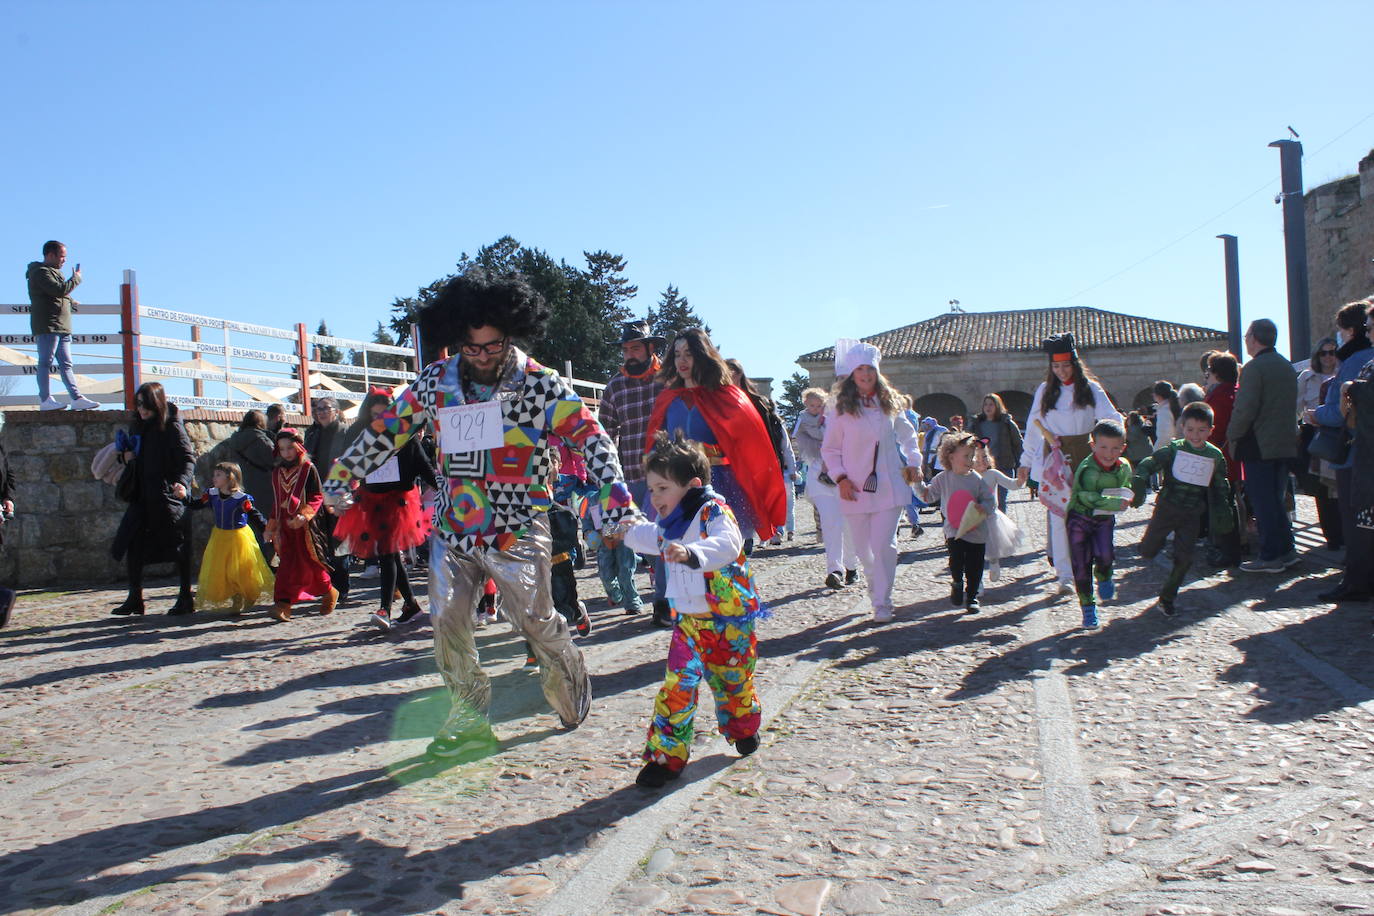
x,y
1340,244
1123,371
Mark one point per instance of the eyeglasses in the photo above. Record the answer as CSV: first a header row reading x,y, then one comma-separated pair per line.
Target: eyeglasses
x,y
1327,352
490,348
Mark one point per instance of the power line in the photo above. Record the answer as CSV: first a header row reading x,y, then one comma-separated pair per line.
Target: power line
x,y
1191,232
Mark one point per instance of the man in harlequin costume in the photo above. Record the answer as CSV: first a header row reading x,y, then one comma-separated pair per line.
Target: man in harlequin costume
x,y
495,412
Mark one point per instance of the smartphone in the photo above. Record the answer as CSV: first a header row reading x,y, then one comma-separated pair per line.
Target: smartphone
x,y
78,267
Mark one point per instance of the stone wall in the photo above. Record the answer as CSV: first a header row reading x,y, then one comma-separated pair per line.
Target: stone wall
x,y
64,518
1340,244
1125,372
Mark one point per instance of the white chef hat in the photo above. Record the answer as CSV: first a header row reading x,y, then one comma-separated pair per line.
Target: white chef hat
x,y
850,354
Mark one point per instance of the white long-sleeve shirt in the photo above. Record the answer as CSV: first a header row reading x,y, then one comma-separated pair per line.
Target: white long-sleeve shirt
x,y
720,547
1065,418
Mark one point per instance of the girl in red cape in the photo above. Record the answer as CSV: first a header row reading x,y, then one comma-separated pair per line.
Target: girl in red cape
x,y
699,402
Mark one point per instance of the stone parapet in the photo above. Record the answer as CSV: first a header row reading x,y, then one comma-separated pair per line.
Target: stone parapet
x,y
65,519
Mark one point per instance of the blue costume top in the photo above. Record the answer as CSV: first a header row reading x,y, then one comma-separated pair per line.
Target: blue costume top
x,y
686,419
231,512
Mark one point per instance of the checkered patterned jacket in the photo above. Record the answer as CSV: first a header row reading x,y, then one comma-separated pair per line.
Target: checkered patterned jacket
x,y
492,497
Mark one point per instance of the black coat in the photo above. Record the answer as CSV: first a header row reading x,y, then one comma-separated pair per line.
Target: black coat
x,y
164,459
251,449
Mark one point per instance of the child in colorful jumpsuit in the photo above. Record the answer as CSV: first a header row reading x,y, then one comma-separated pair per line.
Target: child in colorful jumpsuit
x,y
710,588
1101,488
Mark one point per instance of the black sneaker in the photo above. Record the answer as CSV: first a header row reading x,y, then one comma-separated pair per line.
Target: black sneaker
x,y
408,611
1166,607
583,627
834,581
971,605
664,617
747,746
7,599
851,576
956,594
654,775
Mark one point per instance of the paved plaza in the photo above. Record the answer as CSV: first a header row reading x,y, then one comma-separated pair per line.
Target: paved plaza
x,y
1001,763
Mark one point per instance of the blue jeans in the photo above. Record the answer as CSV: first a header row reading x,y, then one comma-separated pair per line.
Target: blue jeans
x,y
618,565
1265,484
59,346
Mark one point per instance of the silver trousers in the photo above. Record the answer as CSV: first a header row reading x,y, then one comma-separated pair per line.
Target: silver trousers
x,y
522,578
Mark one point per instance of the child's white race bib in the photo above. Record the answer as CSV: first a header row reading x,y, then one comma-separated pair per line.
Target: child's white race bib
x,y
390,472
684,581
1194,469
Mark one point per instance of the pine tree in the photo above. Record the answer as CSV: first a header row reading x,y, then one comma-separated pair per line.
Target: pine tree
x,y
790,404
673,314
326,354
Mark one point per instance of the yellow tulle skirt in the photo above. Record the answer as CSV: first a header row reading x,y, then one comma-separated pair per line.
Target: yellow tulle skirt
x,y
233,567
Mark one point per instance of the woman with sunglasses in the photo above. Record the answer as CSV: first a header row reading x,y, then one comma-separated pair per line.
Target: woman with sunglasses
x,y
152,530
871,452
1354,352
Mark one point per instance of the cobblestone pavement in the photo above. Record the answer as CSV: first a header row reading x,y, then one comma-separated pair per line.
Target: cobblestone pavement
x,y
1006,762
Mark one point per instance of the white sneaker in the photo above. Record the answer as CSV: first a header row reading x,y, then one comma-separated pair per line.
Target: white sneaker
x,y
51,404
995,570
84,403
379,621
882,615
371,571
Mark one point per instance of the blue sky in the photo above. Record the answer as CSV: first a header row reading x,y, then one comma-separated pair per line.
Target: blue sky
x,y
801,171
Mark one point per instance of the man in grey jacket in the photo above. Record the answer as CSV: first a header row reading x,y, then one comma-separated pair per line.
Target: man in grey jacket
x,y
50,318
1263,437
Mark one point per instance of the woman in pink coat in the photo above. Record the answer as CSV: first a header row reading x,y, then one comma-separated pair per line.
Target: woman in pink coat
x,y
871,452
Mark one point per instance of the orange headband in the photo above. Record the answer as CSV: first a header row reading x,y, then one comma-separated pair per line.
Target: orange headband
x,y
1061,357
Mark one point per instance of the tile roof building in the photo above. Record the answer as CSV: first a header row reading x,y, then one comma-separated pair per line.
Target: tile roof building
x,y
949,362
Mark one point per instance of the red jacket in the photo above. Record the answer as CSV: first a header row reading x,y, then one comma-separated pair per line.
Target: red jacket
x,y
1222,400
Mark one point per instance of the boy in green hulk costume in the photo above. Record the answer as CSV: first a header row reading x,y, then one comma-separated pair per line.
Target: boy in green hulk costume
x,y
1194,472
1101,488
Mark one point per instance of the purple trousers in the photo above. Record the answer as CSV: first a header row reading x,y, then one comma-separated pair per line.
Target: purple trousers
x,y
1091,551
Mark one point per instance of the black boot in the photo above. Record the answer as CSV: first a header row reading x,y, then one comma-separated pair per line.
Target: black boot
x,y
7,599
183,606
654,775
132,606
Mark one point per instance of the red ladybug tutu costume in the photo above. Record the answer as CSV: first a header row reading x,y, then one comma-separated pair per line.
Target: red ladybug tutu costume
x,y
387,516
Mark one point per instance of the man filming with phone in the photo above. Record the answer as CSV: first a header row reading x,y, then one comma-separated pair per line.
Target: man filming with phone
x,y
50,317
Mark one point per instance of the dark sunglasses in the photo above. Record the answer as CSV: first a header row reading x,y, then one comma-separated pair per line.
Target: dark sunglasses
x,y
1326,352
490,349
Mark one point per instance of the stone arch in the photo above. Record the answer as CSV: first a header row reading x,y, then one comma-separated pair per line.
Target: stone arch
x,y
1018,404
941,406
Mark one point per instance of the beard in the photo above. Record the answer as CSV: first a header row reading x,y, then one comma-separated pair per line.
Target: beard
x,y
636,366
484,376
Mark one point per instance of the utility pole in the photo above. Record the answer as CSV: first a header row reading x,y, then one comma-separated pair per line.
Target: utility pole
x,y
1295,247
1233,333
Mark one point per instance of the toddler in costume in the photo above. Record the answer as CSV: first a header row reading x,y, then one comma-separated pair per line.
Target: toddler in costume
x,y
1101,488
966,539
712,592
1195,487
1004,535
233,572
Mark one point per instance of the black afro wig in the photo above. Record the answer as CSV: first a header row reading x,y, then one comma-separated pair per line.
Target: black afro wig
x,y
479,298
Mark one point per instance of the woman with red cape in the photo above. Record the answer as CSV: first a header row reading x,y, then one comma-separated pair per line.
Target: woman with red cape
x,y
699,402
